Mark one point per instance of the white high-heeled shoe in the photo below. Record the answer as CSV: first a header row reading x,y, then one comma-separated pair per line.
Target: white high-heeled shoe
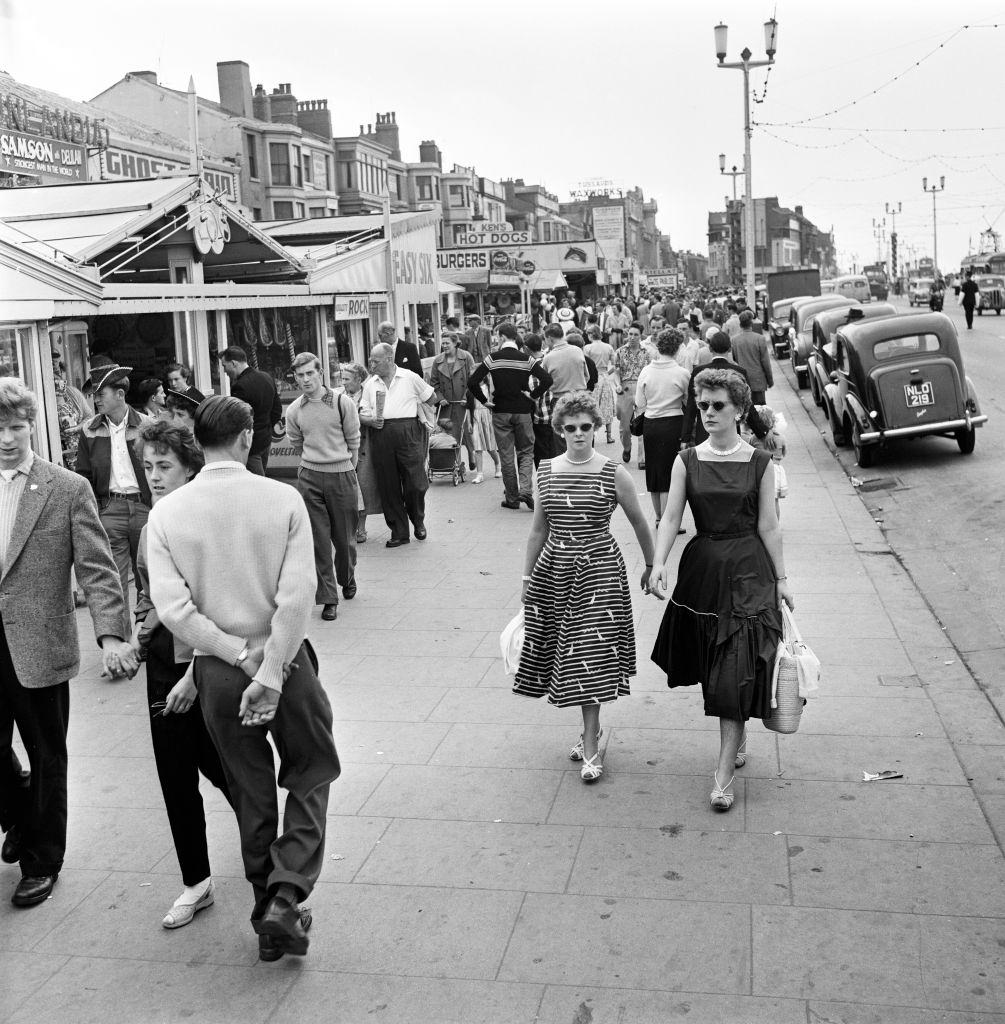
x,y
719,798
181,914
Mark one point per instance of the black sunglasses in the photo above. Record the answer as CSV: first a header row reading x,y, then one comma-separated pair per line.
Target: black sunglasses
x,y
718,406
572,428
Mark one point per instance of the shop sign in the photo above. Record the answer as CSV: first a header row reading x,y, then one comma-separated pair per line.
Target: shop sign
x,y
470,266
28,154
352,307
504,279
486,235
609,230
320,174
660,278
414,263
120,163
21,115
208,224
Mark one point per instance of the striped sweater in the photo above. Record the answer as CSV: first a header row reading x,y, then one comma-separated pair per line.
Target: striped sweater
x,y
509,371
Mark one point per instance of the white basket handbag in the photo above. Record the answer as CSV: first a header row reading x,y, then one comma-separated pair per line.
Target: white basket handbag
x,y
511,643
796,676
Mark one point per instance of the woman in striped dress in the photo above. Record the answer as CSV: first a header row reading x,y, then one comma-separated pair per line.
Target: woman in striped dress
x,y
579,642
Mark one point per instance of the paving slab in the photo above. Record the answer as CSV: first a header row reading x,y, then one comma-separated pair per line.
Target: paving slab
x,y
351,998
901,877
562,1004
469,854
631,943
120,991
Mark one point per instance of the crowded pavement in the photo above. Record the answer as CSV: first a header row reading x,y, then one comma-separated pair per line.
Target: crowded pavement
x,y
469,875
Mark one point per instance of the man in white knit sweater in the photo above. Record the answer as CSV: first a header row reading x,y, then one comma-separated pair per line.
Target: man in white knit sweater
x,y
232,574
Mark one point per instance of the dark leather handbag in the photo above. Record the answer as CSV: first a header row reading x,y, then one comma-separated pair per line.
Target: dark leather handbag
x,y
637,424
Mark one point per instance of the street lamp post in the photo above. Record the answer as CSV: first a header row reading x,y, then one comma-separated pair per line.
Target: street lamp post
x,y
745,64
734,173
892,214
935,189
879,232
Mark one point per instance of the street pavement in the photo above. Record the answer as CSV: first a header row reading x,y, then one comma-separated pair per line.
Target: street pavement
x,y
942,512
471,877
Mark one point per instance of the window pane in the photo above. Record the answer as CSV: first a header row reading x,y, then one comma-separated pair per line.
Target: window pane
x,y
279,161
307,166
298,169
10,363
282,211
251,149
910,345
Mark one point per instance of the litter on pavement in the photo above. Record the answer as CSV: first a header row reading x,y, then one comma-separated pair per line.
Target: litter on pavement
x,y
880,776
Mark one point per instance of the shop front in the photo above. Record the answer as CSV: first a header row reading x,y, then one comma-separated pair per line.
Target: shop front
x,y
35,291
177,276
497,280
368,278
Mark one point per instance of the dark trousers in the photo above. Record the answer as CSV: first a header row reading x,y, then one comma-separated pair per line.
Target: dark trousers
x,y
182,749
399,462
14,787
332,501
544,442
42,716
515,441
968,312
758,397
123,522
258,463
308,764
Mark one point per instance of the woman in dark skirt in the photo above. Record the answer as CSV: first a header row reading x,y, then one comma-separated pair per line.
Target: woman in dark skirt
x,y
661,393
182,745
723,624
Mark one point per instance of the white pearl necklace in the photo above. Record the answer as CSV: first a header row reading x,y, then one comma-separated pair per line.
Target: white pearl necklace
x,y
580,462
728,451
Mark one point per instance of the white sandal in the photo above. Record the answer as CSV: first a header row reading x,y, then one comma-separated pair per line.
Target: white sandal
x,y
592,768
181,914
741,753
577,753
719,798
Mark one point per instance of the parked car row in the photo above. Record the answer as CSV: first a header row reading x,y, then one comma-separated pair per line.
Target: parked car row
x,y
881,375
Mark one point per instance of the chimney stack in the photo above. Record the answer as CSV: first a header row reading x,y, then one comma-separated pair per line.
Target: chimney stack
x,y
284,104
234,80
147,76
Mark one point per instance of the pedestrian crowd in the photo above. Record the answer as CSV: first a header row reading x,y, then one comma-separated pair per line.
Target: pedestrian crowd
x,y
228,563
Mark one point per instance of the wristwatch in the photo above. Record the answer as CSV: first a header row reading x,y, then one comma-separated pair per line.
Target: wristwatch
x,y
243,656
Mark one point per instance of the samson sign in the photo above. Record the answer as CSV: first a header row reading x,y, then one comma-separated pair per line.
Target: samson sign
x,y
660,278
25,154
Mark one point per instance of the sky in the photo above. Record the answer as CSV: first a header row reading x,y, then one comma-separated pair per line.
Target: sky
x,y
630,91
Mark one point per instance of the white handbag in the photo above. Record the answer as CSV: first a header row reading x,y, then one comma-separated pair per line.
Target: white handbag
x,y
511,643
807,663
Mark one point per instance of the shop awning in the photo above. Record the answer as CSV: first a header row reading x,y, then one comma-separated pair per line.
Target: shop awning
x,y
180,298
448,288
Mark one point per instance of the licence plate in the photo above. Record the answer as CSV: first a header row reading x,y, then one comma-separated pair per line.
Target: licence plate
x,y
919,394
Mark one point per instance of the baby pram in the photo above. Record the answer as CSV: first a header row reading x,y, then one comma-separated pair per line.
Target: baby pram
x,y
445,457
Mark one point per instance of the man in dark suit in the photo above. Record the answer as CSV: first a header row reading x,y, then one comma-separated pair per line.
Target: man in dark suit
x,y
259,390
750,351
48,525
693,432
406,355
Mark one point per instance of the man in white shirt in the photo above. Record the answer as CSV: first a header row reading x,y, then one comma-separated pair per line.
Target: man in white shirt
x,y
107,458
390,407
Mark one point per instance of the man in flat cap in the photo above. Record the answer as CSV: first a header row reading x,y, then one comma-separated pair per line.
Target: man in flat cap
x,y
108,460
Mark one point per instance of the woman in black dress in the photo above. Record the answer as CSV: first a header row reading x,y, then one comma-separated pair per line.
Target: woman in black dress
x,y
723,624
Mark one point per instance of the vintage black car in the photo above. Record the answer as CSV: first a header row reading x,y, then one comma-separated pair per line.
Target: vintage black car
x,y
801,318
778,324
900,376
820,362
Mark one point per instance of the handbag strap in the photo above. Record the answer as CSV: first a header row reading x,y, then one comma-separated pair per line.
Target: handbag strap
x,y
789,628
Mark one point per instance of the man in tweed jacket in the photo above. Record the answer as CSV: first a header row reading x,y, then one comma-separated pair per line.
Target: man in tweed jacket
x,y
48,525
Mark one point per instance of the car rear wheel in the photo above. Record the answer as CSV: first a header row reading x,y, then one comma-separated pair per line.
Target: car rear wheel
x,y
838,430
815,390
966,439
865,454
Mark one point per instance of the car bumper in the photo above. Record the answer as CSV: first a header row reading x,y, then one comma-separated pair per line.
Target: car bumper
x,y
927,428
